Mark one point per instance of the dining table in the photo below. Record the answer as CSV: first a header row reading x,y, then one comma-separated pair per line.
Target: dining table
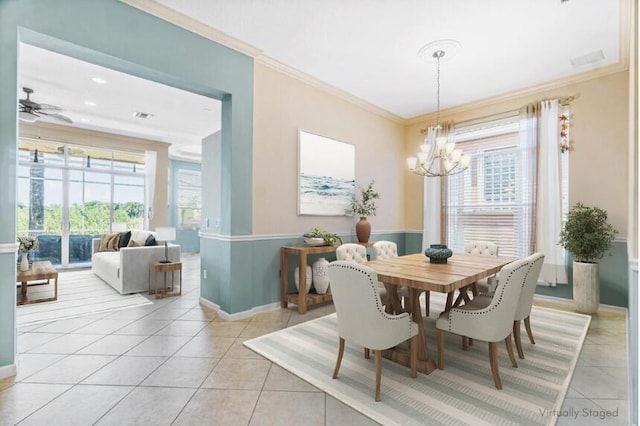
x,y
419,275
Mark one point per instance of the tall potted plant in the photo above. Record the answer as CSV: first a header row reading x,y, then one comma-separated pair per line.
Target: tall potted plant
x,y
587,236
364,206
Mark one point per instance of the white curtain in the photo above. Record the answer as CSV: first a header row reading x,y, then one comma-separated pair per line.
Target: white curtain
x,y
150,161
525,220
432,218
549,195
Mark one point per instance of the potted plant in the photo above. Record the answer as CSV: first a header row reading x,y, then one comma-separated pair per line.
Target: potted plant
x,y
26,244
587,236
317,234
364,206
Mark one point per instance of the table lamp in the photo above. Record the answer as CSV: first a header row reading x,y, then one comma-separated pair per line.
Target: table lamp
x,y
166,234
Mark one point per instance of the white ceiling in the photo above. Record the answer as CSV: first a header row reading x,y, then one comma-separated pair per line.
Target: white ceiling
x,y
367,48
180,118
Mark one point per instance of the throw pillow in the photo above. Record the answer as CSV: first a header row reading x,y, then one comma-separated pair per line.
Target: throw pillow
x,y
134,243
109,242
124,239
151,241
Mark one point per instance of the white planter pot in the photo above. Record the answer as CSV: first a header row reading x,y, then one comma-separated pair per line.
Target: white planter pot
x,y
321,275
586,287
296,276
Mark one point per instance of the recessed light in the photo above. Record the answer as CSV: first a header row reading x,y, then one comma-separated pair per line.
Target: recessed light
x,y
89,103
99,80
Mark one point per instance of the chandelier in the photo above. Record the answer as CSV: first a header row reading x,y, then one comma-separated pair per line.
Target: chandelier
x,y
438,156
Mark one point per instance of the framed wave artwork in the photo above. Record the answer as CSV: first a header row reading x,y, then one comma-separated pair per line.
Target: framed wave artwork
x,y
326,175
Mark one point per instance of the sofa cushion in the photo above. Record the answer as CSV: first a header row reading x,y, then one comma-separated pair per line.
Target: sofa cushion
x,y
109,242
124,239
151,241
135,243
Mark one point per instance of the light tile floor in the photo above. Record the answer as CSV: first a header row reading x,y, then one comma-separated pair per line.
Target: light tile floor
x,y
176,363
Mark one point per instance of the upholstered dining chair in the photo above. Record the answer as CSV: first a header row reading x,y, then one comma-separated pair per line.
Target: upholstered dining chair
x,y
361,317
386,250
357,253
483,248
484,285
525,302
492,323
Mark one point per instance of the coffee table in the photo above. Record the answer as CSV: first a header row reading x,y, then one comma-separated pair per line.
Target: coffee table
x,y
42,272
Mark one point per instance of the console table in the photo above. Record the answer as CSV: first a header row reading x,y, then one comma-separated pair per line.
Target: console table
x,y
302,298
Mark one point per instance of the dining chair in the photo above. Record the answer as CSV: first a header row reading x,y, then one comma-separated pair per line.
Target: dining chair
x,y
492,323
483,248
523,311
387,250
361,317
484,285
358,253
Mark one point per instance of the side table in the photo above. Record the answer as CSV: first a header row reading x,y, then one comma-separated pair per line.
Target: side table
x,y
157,268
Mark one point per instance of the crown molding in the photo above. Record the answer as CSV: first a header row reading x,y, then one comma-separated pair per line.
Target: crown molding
x,y
328,88
163,12
197,27
517,94
160,11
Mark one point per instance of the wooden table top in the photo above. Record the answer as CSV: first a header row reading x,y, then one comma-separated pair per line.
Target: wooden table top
x,y
38,271
415,271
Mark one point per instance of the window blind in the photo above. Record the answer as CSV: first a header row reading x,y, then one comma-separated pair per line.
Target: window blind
x,y
494,199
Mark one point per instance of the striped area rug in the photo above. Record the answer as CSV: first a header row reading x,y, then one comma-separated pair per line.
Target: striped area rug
x,y
79,293
462,393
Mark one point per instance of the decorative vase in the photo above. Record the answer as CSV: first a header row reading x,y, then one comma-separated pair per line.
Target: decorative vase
x,y
296,276
24,264
586,287
438,253
321,275
363,230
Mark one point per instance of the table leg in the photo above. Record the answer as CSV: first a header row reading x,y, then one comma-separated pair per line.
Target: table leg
x,y
284,278
302,293
55,289
23,289
394,305
401,355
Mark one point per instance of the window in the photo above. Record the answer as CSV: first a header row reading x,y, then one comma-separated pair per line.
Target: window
x,y
492,200
500,175
189,205
69,193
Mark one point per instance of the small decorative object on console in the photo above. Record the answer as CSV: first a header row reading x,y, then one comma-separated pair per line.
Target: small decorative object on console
x,y
318,237
438,253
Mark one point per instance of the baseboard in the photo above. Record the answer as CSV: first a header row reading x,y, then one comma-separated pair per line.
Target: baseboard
x,y
8,371
239,315
569,302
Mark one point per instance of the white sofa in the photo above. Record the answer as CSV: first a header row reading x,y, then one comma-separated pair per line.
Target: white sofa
x,y
127,270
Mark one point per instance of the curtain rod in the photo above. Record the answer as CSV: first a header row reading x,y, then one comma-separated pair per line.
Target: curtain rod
x,y
564,101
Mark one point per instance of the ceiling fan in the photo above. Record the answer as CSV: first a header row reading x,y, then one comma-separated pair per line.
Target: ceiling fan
x,y
30,111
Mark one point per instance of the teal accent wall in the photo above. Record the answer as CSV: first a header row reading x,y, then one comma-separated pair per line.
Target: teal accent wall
x,y
187,237
112,34
614,279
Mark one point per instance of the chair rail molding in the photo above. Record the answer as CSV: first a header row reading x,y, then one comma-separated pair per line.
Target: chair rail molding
x,y
8,247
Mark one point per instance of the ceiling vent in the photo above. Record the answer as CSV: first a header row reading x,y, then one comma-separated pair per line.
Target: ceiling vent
x,y
143,115
589,58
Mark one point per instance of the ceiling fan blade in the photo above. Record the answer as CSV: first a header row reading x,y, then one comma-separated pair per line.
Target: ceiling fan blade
x,y
57,116
49,107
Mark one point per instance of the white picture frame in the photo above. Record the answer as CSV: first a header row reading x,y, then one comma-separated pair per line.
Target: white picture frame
x,y
326,175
